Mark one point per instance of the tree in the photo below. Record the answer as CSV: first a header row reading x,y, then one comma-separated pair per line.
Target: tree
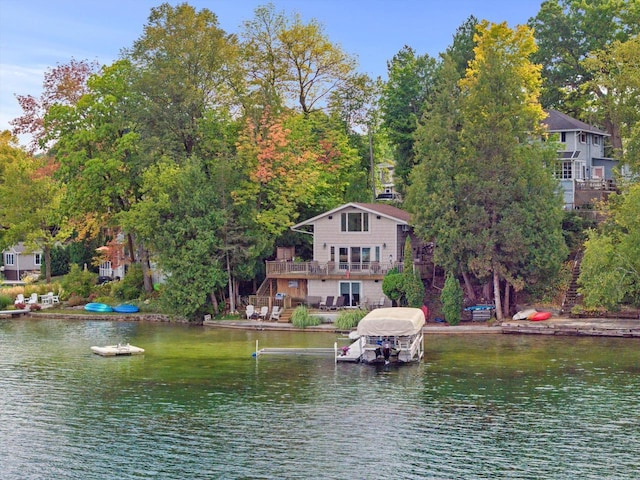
x,y
451,298
482,191
293,62
413,286
184,64
610,269
62,85
30,211
566,32
616,70
403,99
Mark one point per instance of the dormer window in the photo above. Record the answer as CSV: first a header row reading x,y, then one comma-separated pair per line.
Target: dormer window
x,y
354,222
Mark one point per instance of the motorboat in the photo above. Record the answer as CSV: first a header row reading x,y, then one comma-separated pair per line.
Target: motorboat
x,y
388,335
119,349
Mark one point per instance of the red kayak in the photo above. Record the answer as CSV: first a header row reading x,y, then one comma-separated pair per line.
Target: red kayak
x,y
539,316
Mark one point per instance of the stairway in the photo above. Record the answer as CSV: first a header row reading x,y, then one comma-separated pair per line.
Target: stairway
x,y
285,316
571,295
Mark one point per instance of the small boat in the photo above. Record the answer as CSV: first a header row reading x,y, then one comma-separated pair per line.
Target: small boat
x,y
115,350
525,314
540,316
387,335
98,307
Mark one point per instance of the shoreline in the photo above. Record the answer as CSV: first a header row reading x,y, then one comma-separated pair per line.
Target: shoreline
x,y
565,326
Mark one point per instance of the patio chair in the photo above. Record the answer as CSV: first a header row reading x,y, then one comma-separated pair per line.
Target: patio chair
x,y
250,311
33,299
263,313
54,298
327,304
19,299
275,313
339,303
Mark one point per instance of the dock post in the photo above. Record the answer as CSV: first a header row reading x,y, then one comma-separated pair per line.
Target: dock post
x,y
335,352
257,350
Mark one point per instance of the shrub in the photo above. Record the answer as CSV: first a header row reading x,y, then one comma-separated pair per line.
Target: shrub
x,y
131,286
5,301
75,300
349,319
300,318
452,298
393,286
79,281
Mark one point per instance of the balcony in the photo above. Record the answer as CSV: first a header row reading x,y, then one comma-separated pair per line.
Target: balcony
x,y
333,270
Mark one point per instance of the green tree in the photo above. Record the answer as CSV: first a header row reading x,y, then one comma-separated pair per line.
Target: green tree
x,y
451,298
616,70
403,99
30,208
413,286
610,269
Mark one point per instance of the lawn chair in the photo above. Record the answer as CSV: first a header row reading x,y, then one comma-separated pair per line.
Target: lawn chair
x,y
263,313
339,303
275,313
327,304
20,299
33,299
250,311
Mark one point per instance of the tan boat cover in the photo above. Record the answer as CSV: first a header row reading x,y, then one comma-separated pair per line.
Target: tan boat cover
x,y
397,321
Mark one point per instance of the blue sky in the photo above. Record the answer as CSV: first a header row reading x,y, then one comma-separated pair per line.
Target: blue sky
x,y
39,34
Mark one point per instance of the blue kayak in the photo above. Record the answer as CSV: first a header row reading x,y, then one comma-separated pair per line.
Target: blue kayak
x,y
98,307
126,308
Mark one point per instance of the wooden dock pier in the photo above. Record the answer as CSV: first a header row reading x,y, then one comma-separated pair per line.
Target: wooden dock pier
x,y
602,327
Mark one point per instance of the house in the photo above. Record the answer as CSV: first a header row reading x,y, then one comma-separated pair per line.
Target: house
x,y
18,262
354,246
585,174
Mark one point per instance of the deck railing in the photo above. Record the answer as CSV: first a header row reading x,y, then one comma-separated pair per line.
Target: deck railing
x,y
316,269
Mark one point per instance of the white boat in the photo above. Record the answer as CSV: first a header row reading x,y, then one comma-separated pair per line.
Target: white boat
x,y
390,335
120,349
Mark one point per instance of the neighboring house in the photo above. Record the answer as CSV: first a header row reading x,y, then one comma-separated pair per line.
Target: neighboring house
x,y
585,174
384,172
18,262
354,246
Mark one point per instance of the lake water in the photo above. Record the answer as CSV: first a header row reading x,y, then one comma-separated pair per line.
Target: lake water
x,y
197,405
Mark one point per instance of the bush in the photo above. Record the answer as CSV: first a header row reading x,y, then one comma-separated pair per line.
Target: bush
x,y
300,318
78,281
75,300
131,286
5,301
452,298
349,319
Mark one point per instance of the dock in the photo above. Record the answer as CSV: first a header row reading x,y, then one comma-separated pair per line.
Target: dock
x,y
593,327
296,351
14,313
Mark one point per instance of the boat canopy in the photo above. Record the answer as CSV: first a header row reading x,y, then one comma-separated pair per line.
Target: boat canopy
x,y
395,321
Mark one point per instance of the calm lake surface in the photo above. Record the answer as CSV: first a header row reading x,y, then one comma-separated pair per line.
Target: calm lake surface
x,y
197,405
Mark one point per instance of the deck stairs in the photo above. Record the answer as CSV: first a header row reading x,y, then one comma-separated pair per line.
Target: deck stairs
x,y
571,295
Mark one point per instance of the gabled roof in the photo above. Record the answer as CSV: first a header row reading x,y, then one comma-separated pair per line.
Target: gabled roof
x,y
561,122
384,210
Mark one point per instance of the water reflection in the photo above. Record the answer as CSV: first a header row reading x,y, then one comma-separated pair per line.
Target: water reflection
x,y
197,405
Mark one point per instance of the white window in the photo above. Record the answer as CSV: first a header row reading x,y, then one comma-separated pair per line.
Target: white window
x,y
564,170
37,259
9,259
596,140
583,138
354,222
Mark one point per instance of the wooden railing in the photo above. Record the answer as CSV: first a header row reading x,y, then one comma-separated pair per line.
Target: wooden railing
x,y
596,184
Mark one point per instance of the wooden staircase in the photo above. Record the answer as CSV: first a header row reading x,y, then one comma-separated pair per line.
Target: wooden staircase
x,y
571,295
